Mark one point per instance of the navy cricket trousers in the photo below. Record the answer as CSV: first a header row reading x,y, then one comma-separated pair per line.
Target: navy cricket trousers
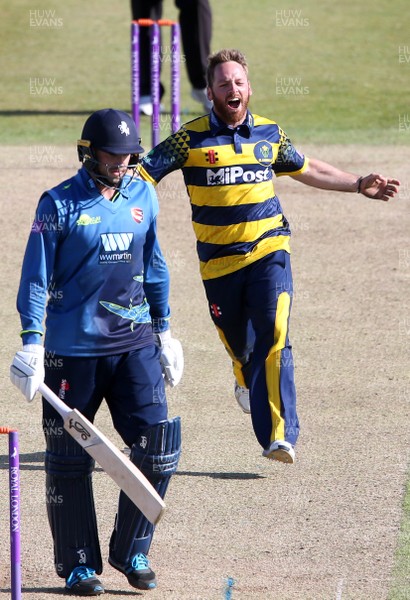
x,y
131,384
250,309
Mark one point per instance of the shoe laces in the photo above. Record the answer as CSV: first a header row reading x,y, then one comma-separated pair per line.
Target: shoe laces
x,y
140,562
239,389
79,574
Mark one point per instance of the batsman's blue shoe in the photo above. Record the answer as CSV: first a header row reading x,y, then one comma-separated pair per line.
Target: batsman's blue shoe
x,y
280,450
138,572
83,582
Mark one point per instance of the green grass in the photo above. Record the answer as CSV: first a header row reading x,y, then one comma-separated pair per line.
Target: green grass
x,y
343,60
400,589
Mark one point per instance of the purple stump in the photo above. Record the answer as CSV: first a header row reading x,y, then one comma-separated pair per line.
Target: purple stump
x,y
135,73
175,78
14,478
155,82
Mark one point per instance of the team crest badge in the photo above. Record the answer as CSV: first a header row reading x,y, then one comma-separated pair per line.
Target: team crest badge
x,y
263,153
124,129
137,214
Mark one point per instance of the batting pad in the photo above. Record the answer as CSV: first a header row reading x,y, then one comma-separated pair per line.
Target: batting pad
x,y
156,453
70,504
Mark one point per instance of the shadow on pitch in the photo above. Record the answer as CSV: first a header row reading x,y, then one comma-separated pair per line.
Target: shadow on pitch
x,y
60,591
26,461
31,461
34,461
76,113
214,475
36,113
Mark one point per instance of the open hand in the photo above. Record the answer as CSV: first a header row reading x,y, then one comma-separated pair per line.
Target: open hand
x,y
378,187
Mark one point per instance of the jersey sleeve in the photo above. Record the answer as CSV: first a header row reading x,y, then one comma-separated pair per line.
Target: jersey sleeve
x,y
170,155
156,276
36,270
288,161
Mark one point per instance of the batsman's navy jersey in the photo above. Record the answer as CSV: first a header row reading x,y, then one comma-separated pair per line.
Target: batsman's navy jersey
x,y
97,267
237,217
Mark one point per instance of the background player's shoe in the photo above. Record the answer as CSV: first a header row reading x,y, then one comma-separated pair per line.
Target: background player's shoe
x,y
201,96
242,397
280,450
145,106
83,582
138,572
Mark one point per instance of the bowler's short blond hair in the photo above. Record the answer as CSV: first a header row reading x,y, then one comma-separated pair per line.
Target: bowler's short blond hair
x,y
225,55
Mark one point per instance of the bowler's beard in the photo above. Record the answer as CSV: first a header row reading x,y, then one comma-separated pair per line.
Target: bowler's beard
x,y
227,116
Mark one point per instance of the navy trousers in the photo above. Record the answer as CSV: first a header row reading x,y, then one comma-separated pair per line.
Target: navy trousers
x,y
250,309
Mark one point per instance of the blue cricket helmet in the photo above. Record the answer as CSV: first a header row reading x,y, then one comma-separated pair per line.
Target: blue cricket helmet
x,y
110,130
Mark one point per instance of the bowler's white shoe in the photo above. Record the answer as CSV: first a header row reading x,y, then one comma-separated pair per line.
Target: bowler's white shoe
x,y
242,397
146,106
201,96
280,450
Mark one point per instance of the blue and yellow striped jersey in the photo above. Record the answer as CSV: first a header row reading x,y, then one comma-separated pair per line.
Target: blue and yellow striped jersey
x,y
237,217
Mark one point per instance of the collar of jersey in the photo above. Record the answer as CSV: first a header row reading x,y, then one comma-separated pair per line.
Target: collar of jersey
x,y
91,186
217,126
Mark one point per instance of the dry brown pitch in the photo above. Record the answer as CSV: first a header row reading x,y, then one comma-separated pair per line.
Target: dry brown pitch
x,y
323,529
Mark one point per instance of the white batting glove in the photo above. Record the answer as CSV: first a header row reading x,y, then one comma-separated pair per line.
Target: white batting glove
x,y
172,357
27,370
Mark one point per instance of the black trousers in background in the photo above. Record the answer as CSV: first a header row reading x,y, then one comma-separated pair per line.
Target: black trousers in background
x,y
195,19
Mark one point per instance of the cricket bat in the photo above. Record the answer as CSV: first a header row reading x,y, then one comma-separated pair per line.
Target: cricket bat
x,y
119,467
121,470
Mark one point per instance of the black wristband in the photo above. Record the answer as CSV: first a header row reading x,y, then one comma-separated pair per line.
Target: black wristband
x,y
359,182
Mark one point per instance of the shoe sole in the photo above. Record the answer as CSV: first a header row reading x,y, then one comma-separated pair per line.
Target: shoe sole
x,y
247,411
281,455
83,593
244,407
141,586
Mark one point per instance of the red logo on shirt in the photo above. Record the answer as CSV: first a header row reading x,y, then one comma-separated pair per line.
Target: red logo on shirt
x,y
216,310
64,387
137,214
212,157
